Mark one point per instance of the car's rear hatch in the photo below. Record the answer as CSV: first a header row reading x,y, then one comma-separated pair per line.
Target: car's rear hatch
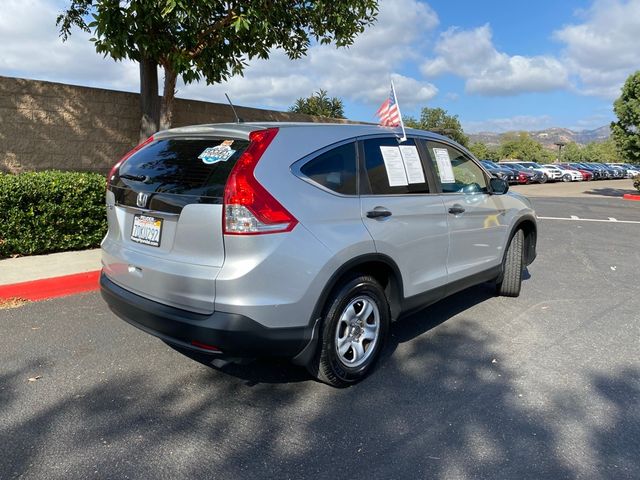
x,y
164,209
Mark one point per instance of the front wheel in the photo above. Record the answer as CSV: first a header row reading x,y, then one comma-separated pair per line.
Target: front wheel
x,y
566,177
543,179
354,328
513,266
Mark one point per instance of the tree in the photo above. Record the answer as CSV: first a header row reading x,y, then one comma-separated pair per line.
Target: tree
x,y
208,39
319,104
572,152
521,146
601,152
439,121
484,152
626,131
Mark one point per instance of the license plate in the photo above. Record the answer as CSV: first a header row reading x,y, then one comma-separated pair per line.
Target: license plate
x,y
146,230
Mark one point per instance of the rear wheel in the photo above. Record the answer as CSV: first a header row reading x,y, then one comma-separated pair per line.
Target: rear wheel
x,y
354,329
566,177
511,281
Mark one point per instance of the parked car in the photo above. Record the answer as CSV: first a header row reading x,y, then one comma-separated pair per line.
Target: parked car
x,y
509,175
586,174
569,174
526,175
302,240
620,172
597,174
607,172
631,169
546,172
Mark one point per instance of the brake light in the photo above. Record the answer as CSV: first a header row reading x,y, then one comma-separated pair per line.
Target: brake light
x,y
248,208
115,168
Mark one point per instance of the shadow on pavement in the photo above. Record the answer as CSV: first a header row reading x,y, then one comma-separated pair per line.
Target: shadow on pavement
x,y
610,192
442,404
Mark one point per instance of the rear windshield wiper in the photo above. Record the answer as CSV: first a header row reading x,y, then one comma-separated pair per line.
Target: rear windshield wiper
x,y
135,178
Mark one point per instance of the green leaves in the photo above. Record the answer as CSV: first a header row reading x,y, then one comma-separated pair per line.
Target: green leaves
x,y
319,104
626,131
439,121
51,211
213,37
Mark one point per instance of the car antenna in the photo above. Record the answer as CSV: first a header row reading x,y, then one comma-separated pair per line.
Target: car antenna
x,y
238,119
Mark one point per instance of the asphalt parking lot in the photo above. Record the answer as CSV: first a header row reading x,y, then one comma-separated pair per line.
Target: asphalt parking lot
x,y
543,386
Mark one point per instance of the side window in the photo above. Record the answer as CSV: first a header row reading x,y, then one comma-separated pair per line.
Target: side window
x,y
393,168
456,172
335,169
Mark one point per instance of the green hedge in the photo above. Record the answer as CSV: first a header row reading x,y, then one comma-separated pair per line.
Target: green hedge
x,y
45,212
636,182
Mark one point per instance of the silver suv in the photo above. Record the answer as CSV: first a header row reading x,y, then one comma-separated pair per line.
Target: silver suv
x,y
302,240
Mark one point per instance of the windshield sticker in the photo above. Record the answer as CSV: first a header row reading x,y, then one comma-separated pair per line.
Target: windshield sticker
x,y
221,153
445,170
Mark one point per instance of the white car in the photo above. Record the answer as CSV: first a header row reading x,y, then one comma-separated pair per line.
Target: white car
x,y
569,175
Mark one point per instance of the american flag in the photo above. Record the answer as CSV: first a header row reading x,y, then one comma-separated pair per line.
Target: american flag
x,y
389,113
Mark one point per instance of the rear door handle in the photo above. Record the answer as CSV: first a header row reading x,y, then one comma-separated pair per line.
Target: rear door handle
x,y
378,213
456,210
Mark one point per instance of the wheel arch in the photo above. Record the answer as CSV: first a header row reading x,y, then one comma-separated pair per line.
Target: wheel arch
x,y
528,225
379,266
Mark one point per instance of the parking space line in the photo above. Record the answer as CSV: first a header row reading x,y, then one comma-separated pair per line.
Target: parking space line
x,y
600,220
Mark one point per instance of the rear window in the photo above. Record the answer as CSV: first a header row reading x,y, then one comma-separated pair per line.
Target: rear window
x,y
196,167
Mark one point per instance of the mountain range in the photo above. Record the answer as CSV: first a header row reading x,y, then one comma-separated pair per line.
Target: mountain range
x,y
549,137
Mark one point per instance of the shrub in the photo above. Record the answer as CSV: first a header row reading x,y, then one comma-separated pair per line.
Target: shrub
x,y
52,211
636,182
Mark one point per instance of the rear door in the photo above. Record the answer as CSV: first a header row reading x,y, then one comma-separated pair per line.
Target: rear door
x,y
477,221
164,209
406,220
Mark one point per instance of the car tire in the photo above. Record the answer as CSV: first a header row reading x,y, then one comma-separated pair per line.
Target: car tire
x,y
513,265
543,179
350,339
566,177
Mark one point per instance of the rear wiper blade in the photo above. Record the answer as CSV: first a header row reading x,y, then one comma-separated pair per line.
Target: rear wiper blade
x,y
135,178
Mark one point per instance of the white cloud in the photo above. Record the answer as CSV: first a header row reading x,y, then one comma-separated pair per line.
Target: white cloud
x,y
30,47
515,123
603,50
472,55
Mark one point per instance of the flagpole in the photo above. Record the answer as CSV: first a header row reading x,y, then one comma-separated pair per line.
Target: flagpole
x,y
404,134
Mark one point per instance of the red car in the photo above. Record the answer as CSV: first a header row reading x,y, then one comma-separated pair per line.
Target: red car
x,y
586,174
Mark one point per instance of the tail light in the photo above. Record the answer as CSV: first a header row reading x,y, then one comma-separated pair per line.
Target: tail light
x,y
115,168
248,208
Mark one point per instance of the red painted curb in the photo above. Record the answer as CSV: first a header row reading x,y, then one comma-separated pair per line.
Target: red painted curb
x,y
631,196
52,287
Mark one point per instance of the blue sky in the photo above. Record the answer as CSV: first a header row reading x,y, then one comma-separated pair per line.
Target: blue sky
x,y
499,65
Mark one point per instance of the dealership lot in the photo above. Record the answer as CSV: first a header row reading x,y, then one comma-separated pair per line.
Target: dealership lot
x,y
543,386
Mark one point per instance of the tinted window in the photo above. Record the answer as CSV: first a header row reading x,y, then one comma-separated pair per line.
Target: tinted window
x,y
177,166
335,169
456,172
411,178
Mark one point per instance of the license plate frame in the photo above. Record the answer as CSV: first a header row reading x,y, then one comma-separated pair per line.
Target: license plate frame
x,y
146,230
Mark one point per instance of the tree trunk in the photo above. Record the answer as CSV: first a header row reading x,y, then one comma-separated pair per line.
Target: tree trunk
x,y
149,102
168,95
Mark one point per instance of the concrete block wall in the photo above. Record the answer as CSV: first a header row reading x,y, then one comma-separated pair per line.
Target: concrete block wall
x,y
46,125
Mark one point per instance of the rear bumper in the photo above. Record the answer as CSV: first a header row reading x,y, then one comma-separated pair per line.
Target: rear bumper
x,y
233,334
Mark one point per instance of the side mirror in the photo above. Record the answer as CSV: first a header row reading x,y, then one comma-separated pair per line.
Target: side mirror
x,y
499,186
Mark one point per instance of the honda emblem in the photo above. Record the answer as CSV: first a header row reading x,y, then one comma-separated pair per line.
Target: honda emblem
x,y
142,199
